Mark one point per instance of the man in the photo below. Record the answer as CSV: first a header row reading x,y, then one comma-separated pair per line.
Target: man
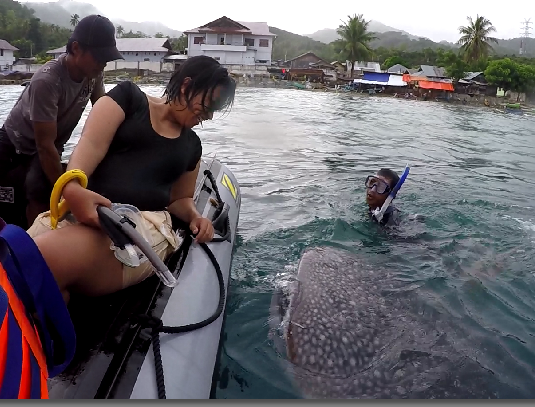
x,y
50,107
378,187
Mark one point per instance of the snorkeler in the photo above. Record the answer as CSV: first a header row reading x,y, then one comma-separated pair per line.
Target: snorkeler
x,y
381,189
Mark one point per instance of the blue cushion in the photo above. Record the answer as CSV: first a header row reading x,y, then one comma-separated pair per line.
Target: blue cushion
x,y
34,284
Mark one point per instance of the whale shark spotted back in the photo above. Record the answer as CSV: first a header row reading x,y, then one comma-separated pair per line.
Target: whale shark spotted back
x,y
351,332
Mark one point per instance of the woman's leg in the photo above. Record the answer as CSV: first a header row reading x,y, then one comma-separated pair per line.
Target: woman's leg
x,y
81,260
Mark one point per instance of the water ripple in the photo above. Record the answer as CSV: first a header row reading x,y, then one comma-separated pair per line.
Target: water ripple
x,y
301,159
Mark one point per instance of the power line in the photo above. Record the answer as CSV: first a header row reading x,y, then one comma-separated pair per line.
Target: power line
x,y
525,34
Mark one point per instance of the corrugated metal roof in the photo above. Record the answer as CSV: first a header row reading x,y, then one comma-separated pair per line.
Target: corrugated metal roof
x,y
7,46
57,50
471,75
143,44
302,55
256,28
321,64
133,45
398,68
433,71
318,62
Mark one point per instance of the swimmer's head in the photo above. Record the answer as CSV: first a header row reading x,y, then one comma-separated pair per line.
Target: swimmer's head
x,y
378,187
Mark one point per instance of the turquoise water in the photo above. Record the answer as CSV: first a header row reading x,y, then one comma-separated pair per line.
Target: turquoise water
x,y
301,159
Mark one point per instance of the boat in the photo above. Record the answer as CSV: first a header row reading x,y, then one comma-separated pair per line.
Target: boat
x,y
120,336
297,85
513,105
514,108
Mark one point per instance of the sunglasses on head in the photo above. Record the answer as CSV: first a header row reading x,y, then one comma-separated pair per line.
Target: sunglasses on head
x,y
381,187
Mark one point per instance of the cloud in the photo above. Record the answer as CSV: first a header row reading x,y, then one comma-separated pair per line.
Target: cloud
x,y
440,23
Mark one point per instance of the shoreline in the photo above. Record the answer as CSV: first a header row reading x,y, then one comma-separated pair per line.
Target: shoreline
x,y
456,98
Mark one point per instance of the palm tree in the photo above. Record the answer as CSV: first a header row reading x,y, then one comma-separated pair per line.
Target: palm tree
x,y
354,40
75,19
181,43
475,39
120,31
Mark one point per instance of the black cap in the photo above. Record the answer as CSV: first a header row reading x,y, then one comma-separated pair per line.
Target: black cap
x,y
97,34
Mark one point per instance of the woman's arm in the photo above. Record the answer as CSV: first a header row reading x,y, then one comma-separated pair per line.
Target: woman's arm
x,y
99,129
182,205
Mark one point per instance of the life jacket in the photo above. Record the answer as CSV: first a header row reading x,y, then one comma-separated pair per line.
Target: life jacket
x,y
37,338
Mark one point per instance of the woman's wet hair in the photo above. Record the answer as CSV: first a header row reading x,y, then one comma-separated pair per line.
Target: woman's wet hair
x,y
390,175
206,74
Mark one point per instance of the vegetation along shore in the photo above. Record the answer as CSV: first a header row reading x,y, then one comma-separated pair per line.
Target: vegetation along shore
x,y
476,50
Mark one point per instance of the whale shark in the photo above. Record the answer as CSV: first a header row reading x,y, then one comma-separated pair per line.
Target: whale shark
x,y
349,330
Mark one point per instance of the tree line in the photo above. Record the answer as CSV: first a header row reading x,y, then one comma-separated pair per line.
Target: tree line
x,y
22,29
33,38
475,54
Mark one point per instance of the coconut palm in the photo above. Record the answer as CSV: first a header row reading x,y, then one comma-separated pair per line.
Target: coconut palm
x,y
354,40
475,39
120,31
75,19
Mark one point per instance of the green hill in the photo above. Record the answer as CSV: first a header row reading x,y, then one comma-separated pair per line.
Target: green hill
x,y
288,45
389,37
416,51
20,27
59,13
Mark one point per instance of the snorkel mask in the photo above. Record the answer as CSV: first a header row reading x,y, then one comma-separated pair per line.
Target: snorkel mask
x,y
378,213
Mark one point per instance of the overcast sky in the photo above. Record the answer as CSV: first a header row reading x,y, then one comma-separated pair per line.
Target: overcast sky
x,y
435,20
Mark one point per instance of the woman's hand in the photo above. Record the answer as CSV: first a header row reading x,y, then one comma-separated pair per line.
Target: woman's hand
x,y
203,228
83,203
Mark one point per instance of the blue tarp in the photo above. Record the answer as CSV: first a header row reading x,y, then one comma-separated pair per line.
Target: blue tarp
x,y
376,77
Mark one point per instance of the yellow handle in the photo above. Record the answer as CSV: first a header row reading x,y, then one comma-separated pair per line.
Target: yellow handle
x,y
59,209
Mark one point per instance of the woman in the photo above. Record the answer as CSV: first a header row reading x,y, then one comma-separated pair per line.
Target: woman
x,y
139,150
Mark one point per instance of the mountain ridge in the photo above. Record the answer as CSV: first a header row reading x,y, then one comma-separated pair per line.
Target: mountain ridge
x,y
399,38
328,35
59,13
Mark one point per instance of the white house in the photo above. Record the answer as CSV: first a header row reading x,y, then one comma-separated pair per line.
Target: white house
x,y
173,62
362,66
135,49
138,53
233,42
6,55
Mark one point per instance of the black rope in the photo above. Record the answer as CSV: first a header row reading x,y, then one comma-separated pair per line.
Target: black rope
x,y
157,325
210,176
225,237
220,205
